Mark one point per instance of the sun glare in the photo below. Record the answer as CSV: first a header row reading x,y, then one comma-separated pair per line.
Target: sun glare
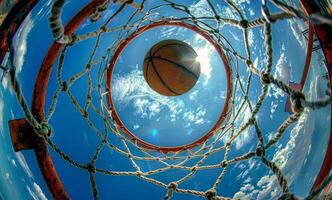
x,y
203,57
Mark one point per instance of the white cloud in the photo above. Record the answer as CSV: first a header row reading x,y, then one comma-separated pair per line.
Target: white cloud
x,y
21,159
282,73
7,178
133,89
248,180
193,95
223,94
274,106
86,138
1,114
20,42
297,26
246,135
243,174
201,9
13,163
289,157
227,12
196,117
247,191
5,64
12,114
269,187
36,192
251,12
252,163
32,194
251,37
241,2
4,82
235,36
244,6
136,126
264,181
240,195
45,10
204,52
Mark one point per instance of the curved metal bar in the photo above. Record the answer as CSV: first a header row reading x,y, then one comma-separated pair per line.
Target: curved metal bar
x,y
38,102
12,22
323,33
309,55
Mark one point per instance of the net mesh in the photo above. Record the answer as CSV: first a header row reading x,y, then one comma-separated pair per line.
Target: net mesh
x,y
142,15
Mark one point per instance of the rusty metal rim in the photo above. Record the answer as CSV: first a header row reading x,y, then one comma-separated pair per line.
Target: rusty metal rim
x,y
38,101
323,33
115,115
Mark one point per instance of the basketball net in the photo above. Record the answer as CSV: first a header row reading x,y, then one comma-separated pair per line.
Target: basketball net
x,y
230,128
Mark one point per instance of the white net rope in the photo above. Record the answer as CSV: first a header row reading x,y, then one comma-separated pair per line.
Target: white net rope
x,y
212,24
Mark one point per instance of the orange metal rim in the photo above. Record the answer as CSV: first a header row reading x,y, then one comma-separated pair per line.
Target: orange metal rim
x,y
323,33
115,115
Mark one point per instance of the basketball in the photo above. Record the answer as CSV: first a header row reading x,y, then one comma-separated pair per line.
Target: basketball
x,y
171,68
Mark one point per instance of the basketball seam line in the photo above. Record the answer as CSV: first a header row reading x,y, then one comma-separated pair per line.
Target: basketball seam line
x,y
147,67
177,64
164,83
166,45
146,72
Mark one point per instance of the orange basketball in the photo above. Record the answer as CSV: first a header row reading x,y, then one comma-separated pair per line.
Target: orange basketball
x,y
171,68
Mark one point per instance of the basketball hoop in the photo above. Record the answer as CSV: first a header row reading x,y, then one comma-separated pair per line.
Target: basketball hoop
x,y
116,117
34,131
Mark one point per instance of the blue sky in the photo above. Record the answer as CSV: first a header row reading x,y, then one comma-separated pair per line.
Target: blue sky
x,y
163,120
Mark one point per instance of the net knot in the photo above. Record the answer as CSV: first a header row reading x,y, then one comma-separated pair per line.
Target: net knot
x,y
103,7
73,39
139,173
244,23
95,17
85,114
43,130
103,29
91,168
104,141
251,120
249,63
172,186
260,151
266,78
210,194
296,100
64,86
194,169
223,164
287,196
